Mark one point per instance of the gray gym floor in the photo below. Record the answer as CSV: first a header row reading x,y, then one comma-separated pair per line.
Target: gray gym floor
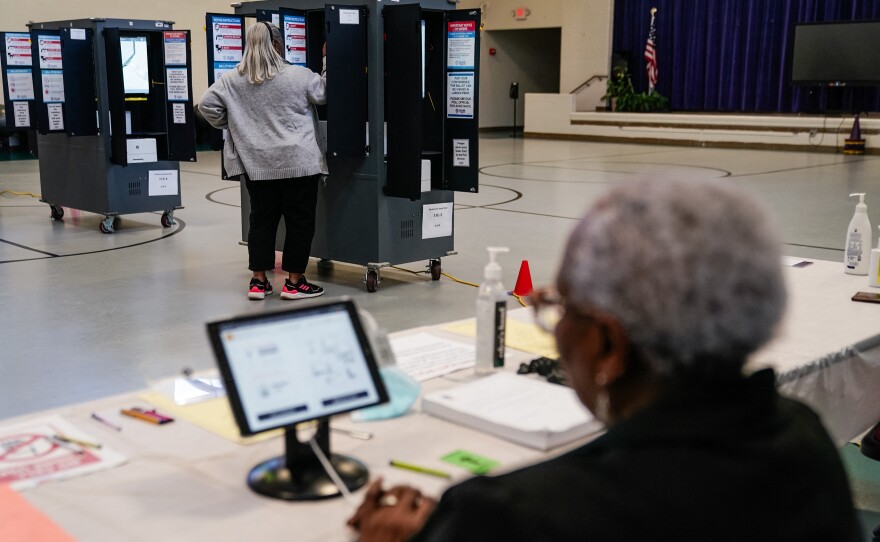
x,y
86,315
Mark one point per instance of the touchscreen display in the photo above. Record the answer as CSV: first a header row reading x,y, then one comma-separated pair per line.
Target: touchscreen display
x,y
135,64
296,366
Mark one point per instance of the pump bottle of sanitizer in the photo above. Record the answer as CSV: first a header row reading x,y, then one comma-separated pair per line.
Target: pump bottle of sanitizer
x,y
874,270
491,316
858,239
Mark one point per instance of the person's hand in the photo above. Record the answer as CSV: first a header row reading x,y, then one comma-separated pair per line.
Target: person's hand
x,y
324,49
370,504
391,516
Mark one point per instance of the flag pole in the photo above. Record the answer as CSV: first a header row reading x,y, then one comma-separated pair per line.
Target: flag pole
x,y
650,84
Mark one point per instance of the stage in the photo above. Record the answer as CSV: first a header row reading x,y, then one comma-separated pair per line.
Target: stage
x,y
554,116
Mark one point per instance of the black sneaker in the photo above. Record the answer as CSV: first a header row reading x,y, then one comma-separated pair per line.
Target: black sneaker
x,y
259,289
301,290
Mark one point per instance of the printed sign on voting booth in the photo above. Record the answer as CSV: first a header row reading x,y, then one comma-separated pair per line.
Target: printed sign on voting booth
x,y
16,63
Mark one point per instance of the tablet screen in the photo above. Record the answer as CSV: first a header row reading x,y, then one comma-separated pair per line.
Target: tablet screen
x,y
289,367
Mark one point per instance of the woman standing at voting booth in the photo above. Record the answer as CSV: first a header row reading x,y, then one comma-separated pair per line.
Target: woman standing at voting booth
x,y
267,107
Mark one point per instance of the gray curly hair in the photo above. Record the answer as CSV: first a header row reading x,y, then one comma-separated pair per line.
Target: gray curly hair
x,y
691,270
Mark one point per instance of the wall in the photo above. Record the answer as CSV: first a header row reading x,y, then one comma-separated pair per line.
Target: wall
x,y
497,14
529,57
187,15
585,48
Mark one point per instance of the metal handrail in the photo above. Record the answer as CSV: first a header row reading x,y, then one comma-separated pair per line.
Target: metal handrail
x,y
587,82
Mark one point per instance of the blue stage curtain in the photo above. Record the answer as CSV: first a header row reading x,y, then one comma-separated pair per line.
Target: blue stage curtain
x,y
733,55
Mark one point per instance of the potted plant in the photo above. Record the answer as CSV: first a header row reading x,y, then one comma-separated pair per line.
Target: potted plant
x,y
647,103
623,97
619,86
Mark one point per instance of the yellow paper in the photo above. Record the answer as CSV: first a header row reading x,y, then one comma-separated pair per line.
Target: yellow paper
x,y
213,415
519,335
468,328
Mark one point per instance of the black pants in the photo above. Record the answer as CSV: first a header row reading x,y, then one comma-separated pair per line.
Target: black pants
x,y
295,200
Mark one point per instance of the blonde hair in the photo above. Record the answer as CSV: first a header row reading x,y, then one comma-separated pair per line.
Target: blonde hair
x,y
261,61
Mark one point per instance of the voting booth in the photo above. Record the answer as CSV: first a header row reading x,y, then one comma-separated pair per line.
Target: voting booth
x,y
111,100
400,123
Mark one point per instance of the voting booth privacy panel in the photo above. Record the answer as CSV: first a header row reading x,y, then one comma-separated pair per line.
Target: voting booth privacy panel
x,y
111,100
400,123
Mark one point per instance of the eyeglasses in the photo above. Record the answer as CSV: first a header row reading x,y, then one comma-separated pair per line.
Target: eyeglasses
x,y
550,307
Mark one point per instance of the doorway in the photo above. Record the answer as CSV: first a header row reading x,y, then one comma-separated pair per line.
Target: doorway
x,y
530,57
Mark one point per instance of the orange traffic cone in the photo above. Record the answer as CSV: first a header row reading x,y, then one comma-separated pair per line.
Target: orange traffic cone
x,y
523,280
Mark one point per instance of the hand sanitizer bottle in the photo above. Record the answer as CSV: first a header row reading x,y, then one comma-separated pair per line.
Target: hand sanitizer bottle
x,y
858,239
491,316
874,271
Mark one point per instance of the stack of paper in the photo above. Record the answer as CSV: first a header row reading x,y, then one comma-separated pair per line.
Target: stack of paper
x,y
424,356
517,408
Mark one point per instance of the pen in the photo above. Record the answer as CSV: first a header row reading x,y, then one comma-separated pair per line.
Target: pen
x,y
141,415
83,443
362,435
66,445
416,468
105,422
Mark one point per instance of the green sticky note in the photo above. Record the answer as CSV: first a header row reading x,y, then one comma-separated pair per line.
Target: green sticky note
x,y
474,463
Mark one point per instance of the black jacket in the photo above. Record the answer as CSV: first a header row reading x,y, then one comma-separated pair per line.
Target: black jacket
x,y
732,462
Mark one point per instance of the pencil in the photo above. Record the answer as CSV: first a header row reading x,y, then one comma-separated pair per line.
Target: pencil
x,y
66,445
417,468
78,442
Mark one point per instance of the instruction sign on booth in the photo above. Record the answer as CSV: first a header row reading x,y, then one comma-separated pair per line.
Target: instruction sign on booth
x,y
462,40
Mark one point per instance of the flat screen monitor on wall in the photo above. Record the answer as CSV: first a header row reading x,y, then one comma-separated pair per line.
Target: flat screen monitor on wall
x,y
135,64
836,54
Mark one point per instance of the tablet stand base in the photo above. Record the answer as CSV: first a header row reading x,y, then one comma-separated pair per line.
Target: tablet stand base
x,y
299,476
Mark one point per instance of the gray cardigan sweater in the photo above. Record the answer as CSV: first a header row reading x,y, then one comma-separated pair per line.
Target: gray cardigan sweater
x,y
271,125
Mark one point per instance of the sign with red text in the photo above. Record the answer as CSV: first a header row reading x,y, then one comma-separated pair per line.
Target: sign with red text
x,y
33,452
461,44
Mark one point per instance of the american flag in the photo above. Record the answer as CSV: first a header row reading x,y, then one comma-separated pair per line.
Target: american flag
x,y
651,56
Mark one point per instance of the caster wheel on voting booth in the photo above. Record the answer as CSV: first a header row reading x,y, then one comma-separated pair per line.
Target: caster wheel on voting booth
x,y
436,269
56,212
108,225
372,280
167,219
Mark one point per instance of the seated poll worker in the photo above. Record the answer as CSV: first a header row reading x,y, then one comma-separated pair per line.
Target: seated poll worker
x,y
664,291
267,107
